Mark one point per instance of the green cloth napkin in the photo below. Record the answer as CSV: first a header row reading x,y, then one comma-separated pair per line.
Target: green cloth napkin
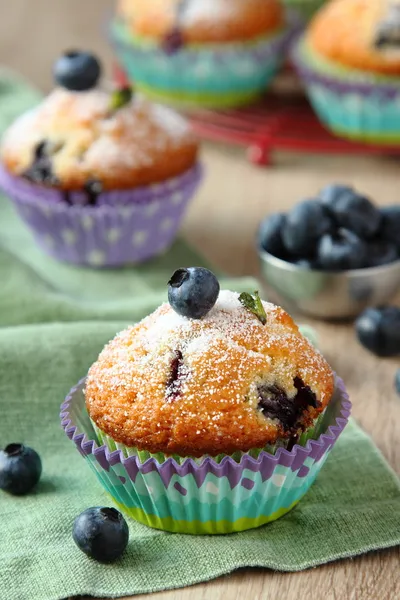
x,y
54,319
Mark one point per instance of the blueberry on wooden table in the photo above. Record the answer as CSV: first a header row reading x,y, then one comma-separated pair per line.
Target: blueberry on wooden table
x,y
20,469
101,533
192,292
378,330
77,71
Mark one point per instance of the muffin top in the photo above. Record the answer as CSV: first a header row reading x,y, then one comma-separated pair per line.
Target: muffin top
x,y
203,21
218,384
357,34
76,138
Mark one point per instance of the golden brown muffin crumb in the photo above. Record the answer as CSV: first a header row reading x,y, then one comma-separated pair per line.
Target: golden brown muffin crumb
x,y
344,31
136,145
203,21
219,384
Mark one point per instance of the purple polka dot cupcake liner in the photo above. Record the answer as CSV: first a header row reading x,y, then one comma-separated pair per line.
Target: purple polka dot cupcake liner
x,y
206,495
124,227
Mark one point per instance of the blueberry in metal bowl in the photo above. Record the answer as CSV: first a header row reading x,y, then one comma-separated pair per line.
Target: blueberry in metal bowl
x,y
333,256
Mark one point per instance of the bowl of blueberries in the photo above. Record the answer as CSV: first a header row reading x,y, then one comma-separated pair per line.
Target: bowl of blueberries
x,y
333,255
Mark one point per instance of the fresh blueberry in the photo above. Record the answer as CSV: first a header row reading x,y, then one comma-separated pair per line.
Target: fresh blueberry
x,y
342,251
397,381
305,224
390,228
77,71
20,469
101,533
378,329
330,194
173,41
354,212
193,292
381,253
269,236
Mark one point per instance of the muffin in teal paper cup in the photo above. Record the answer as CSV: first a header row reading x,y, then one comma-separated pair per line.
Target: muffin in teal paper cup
x,y
351,69
212,415
101,177
200,53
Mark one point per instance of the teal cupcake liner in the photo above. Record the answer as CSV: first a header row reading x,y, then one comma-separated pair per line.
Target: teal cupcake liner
x,y
352,104
208,75
205,496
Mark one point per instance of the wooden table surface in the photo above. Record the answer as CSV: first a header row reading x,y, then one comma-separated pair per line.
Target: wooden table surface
x,y
221,224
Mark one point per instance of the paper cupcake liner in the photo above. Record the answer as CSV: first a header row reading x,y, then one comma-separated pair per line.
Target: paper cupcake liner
x,y
127,226
351,103
208,75
205,497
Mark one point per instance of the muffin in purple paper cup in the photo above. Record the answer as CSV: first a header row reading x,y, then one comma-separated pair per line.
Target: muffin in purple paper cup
x,y
207,425
102,178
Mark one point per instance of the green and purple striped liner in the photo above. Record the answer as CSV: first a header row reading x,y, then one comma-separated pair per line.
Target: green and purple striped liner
x,y
354,104
205,496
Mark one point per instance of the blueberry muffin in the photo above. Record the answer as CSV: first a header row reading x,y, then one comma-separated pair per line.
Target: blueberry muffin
x,y
350,64
101,176
224,383
212,415
209,53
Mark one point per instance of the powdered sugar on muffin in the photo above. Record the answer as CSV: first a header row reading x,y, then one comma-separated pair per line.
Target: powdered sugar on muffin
x,y
83,139
220,384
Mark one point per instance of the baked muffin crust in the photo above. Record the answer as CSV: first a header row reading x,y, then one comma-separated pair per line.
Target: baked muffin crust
x,y
203,21
216,385
73,138
345,31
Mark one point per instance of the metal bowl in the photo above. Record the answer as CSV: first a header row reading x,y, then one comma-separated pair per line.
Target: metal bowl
x,y
329,295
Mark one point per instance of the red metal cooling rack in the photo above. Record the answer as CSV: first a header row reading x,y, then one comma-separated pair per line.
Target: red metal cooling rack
x,y
281,121
277,123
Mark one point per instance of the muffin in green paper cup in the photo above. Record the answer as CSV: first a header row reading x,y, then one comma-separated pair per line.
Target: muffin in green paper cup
x,y
201,53
212,415
349,62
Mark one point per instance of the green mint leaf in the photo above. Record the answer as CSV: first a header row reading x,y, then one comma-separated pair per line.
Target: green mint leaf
x,y
260,310
120,97
248,301
254,305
